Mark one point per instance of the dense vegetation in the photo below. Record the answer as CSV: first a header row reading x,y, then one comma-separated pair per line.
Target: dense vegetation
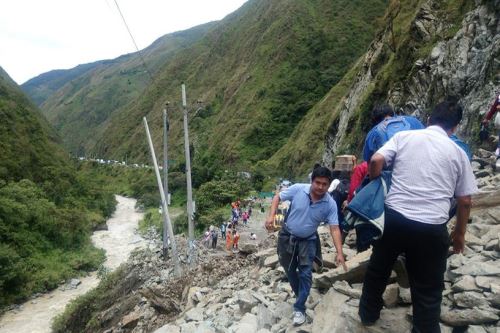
x,y
47,209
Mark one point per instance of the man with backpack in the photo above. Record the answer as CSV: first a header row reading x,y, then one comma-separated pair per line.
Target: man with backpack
x,y
386,124
429,170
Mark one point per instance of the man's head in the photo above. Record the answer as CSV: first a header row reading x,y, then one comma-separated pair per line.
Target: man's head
x,y
380,112
320,181
447,114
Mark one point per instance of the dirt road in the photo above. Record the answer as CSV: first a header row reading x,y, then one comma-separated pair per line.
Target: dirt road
x,y
35,316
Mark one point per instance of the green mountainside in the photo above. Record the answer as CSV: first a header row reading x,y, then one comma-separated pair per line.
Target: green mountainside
x,y
77,100
258,72
47,209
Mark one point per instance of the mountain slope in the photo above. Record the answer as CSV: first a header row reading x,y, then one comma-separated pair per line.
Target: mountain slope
x,y
77,100
258,72
47,209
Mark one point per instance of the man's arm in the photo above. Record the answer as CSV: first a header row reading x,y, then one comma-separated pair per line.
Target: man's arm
x,y
463,211
337,241
376,165
272,212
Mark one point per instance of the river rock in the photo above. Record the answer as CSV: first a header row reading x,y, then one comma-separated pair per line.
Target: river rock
x,y
465,317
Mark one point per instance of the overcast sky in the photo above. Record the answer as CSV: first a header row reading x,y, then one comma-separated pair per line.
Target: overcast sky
x,y
37,36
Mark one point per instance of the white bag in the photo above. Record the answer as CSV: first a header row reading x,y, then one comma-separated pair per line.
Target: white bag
x,y
497,120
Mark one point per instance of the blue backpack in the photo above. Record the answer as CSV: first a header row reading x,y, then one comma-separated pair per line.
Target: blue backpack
x,y
388,127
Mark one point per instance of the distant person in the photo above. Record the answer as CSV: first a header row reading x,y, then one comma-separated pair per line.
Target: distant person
x,y
385,125
429,170
223,230
298,238
494,109
215,236
244,217
249,211
229,240
236,238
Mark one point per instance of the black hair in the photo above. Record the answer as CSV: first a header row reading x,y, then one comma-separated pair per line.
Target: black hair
x,y
379,112
322,172
316,165
447,114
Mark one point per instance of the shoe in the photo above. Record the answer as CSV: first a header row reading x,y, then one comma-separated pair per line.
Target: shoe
x,y
298,318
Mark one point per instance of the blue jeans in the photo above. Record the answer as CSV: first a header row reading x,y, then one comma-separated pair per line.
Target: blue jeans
x,y
300,276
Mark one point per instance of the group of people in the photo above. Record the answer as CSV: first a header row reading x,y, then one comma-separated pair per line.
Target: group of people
x,y
429,169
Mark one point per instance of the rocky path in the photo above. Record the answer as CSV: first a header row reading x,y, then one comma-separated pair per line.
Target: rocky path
x,y
118,241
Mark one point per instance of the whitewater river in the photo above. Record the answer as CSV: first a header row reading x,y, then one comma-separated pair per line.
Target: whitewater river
x,y
118,241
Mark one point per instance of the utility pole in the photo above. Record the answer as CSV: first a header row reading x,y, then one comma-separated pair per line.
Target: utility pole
x,y
165,178
188,179
166,216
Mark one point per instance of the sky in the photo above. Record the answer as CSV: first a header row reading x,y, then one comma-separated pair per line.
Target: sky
x,y
37,36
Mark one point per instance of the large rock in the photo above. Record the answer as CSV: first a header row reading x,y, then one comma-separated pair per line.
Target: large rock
x,y
248,247
356,269
390,295
465,283
248,324
245,301
468,317
195,314
327,313
271,261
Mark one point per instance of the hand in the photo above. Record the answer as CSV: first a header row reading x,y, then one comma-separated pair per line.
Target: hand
x,y
269,224
458,240
344,205
340,260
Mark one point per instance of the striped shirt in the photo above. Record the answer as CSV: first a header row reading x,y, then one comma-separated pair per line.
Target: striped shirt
x,y
428,170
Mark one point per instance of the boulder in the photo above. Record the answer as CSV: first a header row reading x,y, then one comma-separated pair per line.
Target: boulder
x,y
248,247
195,314
271,261
245,301
465,283
470,299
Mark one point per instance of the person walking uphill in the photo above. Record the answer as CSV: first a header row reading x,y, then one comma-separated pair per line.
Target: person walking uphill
x,y
428,170
297,240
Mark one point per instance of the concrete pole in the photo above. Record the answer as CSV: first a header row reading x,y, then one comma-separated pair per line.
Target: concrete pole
x,y
165,178
188,177
166,216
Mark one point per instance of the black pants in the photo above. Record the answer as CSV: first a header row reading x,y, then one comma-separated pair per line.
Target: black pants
x,y
426,248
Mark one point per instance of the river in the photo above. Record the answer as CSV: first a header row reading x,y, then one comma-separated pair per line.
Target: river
x,y
36,315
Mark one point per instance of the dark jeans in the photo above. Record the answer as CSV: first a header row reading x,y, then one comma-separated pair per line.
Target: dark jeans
x,y
299,276
426,248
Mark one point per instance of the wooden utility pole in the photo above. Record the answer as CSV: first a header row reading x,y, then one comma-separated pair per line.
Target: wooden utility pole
x,y
165,177
188,179
166,216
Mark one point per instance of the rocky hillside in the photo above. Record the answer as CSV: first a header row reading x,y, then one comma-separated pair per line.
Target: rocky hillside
x,y
248,292
428,49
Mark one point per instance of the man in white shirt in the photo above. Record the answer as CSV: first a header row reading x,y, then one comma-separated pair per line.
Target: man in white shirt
x,y
428,170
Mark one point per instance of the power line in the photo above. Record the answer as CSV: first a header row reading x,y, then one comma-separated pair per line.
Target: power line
x,y
133,40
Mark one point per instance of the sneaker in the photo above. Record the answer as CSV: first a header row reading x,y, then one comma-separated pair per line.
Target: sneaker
x,y
298,318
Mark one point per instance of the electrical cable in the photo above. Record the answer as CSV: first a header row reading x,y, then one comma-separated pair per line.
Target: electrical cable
x,y
135,44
